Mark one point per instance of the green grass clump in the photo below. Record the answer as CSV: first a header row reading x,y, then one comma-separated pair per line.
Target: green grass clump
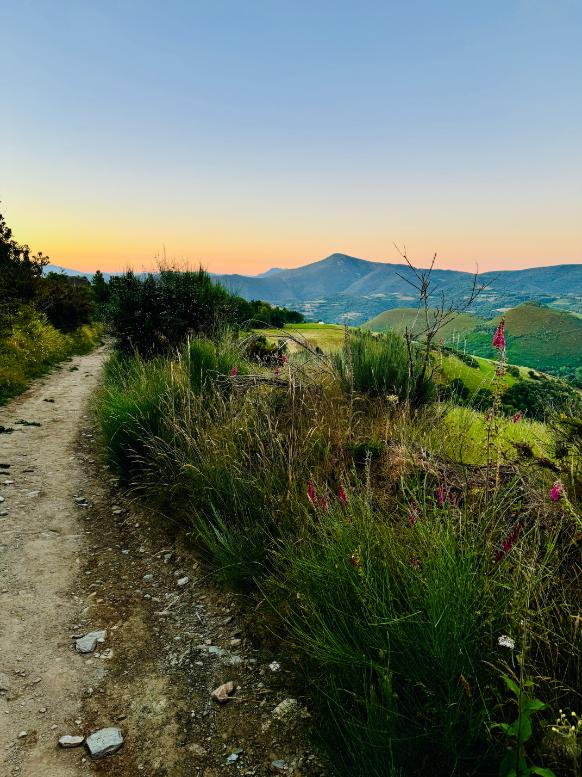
x,y
136,400
400,620
379,366
30,346
212,461
209,360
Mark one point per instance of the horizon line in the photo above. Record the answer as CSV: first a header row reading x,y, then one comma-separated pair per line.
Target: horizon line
x,y
186,266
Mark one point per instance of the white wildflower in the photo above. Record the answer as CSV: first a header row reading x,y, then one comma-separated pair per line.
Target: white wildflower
x,y
506,641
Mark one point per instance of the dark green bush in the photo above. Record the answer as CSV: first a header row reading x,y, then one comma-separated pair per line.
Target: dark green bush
x,y
542,399
482,399
156,313
67,302
455,391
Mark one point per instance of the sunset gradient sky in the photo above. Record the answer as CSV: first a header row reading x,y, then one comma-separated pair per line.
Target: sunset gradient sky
x,y
246,135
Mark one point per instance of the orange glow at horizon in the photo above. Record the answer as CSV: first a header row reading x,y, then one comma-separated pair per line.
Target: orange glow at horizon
x,y
85,248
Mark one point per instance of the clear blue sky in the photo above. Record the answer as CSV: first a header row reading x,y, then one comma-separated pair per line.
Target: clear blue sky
x,y
252,134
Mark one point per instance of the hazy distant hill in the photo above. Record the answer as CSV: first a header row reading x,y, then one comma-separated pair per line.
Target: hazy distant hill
x,y
65,270
343,287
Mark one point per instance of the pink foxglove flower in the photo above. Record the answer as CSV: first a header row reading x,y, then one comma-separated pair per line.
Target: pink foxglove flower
x,y
499,336
556,492
283,359
324,504
341,495
234,372
441,496
517,417
508,542
311,493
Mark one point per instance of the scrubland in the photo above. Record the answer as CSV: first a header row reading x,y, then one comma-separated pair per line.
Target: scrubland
x,y
423,556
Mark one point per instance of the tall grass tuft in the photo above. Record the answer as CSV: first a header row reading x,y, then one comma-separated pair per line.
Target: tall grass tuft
x,y
380,365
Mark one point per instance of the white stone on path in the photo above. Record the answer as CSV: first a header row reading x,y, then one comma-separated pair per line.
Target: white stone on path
x,y
104,742
71,741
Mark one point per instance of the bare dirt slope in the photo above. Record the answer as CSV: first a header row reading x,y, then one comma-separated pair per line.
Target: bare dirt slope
x,y
76,556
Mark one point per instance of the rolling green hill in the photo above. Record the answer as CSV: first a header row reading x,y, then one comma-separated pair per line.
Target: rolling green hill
x,y
537,336
399,319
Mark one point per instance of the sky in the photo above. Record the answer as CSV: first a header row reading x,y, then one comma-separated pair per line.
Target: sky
x,y
246,135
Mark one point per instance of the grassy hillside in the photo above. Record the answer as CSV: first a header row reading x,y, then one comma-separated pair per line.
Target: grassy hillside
x,y
328,337
398,319
537,336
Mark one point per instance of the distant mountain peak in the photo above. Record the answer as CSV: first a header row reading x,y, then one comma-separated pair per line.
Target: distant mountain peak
x,y
338,258
269,272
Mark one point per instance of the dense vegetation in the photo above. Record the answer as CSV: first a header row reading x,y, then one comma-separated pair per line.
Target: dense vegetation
x,y
153,314
43,319
423,557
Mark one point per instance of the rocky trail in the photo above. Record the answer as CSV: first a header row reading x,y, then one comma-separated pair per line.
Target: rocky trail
x,y
111,636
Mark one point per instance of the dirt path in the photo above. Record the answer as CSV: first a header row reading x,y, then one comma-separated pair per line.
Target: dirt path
x,y
76,556
40,542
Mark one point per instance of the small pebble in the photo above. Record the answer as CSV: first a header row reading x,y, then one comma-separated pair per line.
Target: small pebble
x,y
71,741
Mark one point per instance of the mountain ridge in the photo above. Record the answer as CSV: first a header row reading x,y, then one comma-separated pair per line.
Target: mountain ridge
x,y
343,288
346,288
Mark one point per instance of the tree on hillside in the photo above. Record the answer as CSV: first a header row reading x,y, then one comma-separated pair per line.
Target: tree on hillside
x,y
20,271
67,302
100,287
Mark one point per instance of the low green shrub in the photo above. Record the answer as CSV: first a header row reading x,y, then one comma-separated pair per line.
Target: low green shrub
x,y
378,365
542,399
210,360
